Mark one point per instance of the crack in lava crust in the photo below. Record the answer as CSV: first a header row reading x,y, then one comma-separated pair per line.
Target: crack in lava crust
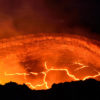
x,y
40,61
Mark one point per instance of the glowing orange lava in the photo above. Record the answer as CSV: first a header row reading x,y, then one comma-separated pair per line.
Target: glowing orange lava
x,y
42,61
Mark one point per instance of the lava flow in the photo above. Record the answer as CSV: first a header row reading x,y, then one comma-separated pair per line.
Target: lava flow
x,y
40,61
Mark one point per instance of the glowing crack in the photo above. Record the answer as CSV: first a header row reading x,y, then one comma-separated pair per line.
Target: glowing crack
x,y
68,51
45,83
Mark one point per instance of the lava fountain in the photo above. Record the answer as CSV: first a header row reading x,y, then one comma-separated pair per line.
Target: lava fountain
x,y
40,61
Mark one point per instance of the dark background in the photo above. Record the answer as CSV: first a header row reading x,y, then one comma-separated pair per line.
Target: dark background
x,y
49,16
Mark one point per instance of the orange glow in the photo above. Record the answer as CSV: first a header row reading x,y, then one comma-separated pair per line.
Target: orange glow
x,y
42,61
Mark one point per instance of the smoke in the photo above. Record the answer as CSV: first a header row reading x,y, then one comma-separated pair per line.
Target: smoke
x,y
49,16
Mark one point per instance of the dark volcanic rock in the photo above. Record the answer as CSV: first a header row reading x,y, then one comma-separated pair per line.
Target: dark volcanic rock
x,y
79,90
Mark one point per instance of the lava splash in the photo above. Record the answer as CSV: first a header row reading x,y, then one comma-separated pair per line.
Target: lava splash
x,y
40,61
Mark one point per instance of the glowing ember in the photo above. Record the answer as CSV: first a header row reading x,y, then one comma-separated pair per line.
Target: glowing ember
x,y
42,61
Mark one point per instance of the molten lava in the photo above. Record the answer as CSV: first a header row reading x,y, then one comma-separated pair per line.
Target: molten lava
x,y
40,61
